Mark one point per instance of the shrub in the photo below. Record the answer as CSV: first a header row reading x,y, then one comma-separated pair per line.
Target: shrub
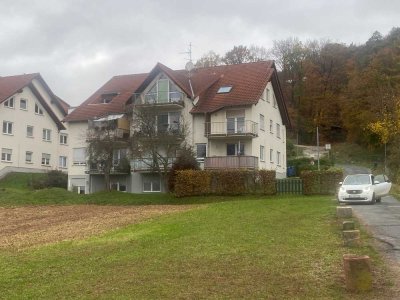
x,y
321,182
225,182
186,161
53,178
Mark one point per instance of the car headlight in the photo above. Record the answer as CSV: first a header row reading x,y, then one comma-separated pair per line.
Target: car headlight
x,y
342,189
367,189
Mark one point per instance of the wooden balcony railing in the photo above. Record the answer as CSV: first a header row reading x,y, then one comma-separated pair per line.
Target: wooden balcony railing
x,y
231,162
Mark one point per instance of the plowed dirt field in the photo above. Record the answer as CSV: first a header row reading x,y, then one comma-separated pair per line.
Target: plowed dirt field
x,y
23,227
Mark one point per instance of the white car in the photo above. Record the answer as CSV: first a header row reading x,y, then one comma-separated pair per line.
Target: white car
x,y
363,188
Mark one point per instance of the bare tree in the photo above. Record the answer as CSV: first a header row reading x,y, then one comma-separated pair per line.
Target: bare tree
x,y
103,141
156,139
210,59
238,55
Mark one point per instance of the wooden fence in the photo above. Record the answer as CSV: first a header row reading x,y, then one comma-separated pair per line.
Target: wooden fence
x,y
289,186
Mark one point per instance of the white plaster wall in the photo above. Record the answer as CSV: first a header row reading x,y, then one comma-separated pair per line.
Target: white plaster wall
x,y
20,143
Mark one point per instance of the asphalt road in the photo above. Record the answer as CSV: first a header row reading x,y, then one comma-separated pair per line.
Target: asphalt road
x,y
383,220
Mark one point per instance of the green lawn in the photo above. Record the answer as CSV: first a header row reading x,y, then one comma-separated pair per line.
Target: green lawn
x,y
276,248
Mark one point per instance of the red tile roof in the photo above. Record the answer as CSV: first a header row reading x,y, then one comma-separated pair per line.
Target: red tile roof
x,y
124,86
10,85
248,82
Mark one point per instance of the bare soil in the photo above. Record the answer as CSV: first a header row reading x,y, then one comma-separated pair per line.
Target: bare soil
x,y
22,227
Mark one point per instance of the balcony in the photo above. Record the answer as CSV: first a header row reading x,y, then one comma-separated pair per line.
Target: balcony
x,y
147,164
245,128
164,99
120,166
231,162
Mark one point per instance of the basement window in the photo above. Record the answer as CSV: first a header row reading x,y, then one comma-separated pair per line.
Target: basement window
x,y
224,89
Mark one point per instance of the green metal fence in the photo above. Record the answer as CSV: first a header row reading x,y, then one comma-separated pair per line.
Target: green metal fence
x,y
289,186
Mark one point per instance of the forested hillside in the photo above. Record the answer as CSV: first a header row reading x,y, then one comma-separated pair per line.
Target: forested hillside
x,y
351,92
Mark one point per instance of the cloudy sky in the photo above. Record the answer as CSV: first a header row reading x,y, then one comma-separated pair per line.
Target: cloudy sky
x,y
77,45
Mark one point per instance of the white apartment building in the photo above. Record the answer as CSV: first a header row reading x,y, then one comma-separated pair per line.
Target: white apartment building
x,y
33,138
236,114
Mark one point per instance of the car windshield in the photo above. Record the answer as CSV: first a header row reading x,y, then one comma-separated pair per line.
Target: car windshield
x,y
357,180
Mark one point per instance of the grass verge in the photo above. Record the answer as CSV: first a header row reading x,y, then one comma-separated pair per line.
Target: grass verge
x,y
276,248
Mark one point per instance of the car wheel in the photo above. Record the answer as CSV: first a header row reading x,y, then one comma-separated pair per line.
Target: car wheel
x,y
373,199
378,200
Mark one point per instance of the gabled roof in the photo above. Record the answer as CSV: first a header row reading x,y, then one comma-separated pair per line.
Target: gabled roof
x,y
248,82
10,85
122,87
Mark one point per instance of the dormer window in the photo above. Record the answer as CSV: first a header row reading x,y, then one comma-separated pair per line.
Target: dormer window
x,y
224,89
107,97
9,103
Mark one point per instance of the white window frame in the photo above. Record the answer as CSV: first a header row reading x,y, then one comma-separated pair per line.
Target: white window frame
x,y
118,186
271,156
201,158
278,158
62,162
46,135
30,155
151,185
262,122
63,139
46,159
271,126
6,155
268,94
262,153
9,103
8,127
278,130
27,131
20,104
38,110
77,159
274,101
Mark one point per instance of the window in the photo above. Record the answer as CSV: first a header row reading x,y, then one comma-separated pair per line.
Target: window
x,y
278,131
201,151
28,157
81,189
47,135
29,131
7,127
45,159
262,153
79,156
6,154
107,97
23,104
118,186
118,155
151,184
38,110
168,122
235,122
274,100
163,91
271,126
262,122
62,162
271,155
278,158
235,149
63,139
9,103
267,95
224,89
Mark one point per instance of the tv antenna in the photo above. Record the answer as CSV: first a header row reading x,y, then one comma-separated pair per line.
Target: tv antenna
x,y
189,65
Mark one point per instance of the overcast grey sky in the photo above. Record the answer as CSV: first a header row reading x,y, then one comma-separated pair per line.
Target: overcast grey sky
x,y
77,45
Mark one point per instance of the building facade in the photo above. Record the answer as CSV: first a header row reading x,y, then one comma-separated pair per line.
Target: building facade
x,y
33,138
234,117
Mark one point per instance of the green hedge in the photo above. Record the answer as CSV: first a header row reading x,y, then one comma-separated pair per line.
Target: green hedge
x,y
225,182
321,182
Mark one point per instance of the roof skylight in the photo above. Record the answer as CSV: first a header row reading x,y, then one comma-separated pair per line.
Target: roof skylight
x,y
224,89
